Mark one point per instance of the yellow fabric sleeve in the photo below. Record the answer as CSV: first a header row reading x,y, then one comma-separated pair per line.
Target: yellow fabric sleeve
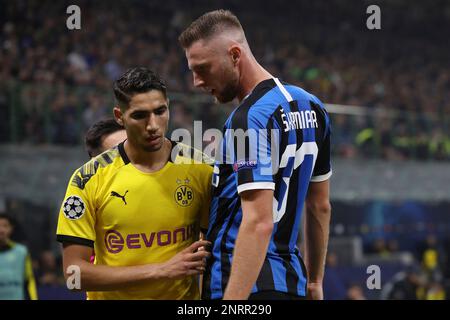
x,y
31,282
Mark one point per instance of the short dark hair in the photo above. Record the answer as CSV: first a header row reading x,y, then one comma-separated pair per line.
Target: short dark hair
x,y
134,81
207,25
7,217
96,132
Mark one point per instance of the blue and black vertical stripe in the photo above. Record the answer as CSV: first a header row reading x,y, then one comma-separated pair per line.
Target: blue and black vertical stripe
x,y
283,269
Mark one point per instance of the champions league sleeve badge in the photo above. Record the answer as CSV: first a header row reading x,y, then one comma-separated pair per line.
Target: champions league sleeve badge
x,y
74,208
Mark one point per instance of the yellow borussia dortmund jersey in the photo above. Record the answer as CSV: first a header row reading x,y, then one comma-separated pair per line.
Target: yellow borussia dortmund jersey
x,y
133,218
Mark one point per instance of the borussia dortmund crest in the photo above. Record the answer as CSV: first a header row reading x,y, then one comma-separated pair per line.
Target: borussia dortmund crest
x,y
184,195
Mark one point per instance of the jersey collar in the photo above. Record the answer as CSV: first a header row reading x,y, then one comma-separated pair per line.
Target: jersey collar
x,y
123,154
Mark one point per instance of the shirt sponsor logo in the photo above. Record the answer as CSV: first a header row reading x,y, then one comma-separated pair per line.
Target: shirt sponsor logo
x,y
115,241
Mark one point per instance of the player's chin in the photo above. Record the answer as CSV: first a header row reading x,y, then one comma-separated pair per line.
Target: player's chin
x,y
153,147
225,97
222,99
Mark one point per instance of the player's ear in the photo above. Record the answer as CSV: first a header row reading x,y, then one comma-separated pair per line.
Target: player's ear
x,y
118,115
235,54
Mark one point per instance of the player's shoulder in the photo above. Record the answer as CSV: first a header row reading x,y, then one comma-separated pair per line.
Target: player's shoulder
x,y
258,105
248,116
186,154
19,248
299,93
107,158
99,165
268,97
307,98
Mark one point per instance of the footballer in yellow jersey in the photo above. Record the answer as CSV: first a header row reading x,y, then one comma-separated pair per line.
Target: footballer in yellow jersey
x,y
131,217
139,205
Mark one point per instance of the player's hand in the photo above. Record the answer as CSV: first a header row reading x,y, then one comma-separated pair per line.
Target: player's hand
x,y
314,291
190,261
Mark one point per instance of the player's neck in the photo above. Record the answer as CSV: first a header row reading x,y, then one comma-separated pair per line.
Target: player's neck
x,y
252,75
149,161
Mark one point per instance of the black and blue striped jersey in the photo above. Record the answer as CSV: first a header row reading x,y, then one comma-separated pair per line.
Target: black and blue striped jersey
x,y
285,145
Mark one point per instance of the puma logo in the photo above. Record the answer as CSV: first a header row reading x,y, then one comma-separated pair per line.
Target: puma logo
x,y
115,194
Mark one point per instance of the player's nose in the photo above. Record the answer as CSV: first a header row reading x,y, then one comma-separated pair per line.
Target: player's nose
x,y
152,124
198,82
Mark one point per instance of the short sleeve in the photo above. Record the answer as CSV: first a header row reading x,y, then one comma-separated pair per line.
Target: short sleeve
x,y
249,141
76,220
322,169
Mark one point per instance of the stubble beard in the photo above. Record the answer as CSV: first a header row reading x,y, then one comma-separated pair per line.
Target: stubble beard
x,y
230,91
154,148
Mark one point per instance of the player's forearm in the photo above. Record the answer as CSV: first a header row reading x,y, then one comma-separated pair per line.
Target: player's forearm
x,y
188,262
317,222
248,257
106,278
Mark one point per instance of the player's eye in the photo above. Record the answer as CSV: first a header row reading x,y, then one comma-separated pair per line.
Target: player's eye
x,y
202,69
161,110
139,115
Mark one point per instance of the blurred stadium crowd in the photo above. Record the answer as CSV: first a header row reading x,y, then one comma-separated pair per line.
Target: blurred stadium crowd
x,y
59,81
55,83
